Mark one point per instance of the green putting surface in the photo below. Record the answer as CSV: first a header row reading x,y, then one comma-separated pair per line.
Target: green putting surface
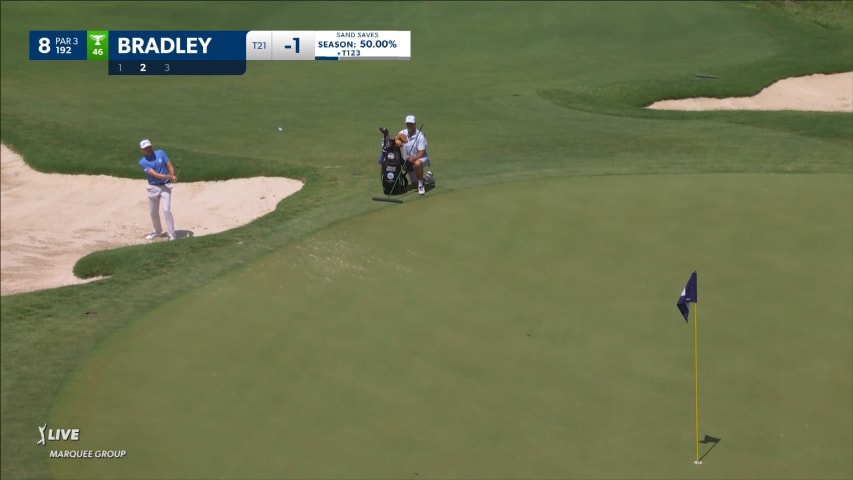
x,y
522,330
493,329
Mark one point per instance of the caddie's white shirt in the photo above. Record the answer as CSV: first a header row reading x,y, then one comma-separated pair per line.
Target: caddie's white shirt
x,y
416,142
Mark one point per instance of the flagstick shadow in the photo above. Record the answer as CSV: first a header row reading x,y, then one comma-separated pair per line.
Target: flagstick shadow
x,y
709,439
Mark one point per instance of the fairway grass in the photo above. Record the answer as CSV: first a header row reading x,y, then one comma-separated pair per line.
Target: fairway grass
x,y
286,348
523,330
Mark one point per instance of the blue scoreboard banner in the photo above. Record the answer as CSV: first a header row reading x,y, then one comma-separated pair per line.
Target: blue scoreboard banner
x,y
177,45
177,52
58,45
212,52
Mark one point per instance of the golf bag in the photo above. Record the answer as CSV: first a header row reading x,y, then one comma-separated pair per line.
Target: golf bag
x,y
392,166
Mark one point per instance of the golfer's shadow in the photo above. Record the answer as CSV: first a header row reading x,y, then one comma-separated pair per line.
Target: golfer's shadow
x,y
709,439
179,234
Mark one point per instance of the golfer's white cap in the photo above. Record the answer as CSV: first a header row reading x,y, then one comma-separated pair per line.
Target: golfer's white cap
x,y
145,143
410,119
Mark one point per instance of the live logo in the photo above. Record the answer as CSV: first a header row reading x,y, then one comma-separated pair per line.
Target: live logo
x,y
56,434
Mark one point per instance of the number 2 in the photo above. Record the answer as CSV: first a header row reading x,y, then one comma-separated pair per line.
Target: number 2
x,y
142,67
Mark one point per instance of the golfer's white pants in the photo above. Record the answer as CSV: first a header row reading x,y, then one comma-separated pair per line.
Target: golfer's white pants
x,y
157,195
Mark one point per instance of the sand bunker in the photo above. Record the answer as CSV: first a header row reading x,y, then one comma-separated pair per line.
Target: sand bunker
x,y
49,221
816,93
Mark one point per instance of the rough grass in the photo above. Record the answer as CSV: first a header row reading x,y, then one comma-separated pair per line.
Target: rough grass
x,y
835,14
478,74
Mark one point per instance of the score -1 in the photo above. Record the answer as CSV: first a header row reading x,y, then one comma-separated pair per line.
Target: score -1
x,y
263,45
295,45
292,45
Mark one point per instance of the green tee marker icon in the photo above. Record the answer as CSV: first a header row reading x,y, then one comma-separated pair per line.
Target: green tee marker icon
x,y
97,45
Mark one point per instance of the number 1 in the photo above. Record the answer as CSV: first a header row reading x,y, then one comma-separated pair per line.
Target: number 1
x,y
296,39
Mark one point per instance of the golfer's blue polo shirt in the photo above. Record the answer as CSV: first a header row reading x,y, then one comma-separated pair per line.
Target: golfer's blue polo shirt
x,y
158,164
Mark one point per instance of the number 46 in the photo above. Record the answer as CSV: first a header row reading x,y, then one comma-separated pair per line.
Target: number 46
x,y
98,52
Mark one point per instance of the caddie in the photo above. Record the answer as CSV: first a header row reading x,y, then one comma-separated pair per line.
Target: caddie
x,y
414,146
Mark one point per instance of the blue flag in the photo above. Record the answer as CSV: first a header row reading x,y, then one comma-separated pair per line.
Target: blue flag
x,y
690,294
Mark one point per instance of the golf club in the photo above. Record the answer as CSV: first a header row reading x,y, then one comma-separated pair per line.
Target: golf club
x,y
177,172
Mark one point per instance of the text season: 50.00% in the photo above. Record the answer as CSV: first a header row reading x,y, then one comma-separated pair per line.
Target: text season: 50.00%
x,y
378,44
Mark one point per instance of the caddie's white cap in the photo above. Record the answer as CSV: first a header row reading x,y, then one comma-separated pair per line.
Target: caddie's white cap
x,y
145,143
410,119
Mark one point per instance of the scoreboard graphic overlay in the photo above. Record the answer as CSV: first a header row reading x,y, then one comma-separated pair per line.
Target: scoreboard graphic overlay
x,y
216,52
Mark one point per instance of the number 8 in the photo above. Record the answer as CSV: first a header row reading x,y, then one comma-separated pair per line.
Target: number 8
x,y
44,45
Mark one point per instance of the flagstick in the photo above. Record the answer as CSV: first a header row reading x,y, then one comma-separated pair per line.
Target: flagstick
x,y
696,373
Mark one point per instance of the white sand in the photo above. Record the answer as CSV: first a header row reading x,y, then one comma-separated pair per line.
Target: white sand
x,y
816,93
49,221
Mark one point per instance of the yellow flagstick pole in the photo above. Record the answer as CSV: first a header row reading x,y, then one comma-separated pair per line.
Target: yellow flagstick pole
x,y
696,373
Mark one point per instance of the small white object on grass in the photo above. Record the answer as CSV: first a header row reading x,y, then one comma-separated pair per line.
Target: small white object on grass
x,y
280,129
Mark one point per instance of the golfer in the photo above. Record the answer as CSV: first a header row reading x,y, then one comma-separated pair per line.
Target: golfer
x,y
415,151
161,174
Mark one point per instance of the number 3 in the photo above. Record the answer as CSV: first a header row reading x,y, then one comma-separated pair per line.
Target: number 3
x,y
167,67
